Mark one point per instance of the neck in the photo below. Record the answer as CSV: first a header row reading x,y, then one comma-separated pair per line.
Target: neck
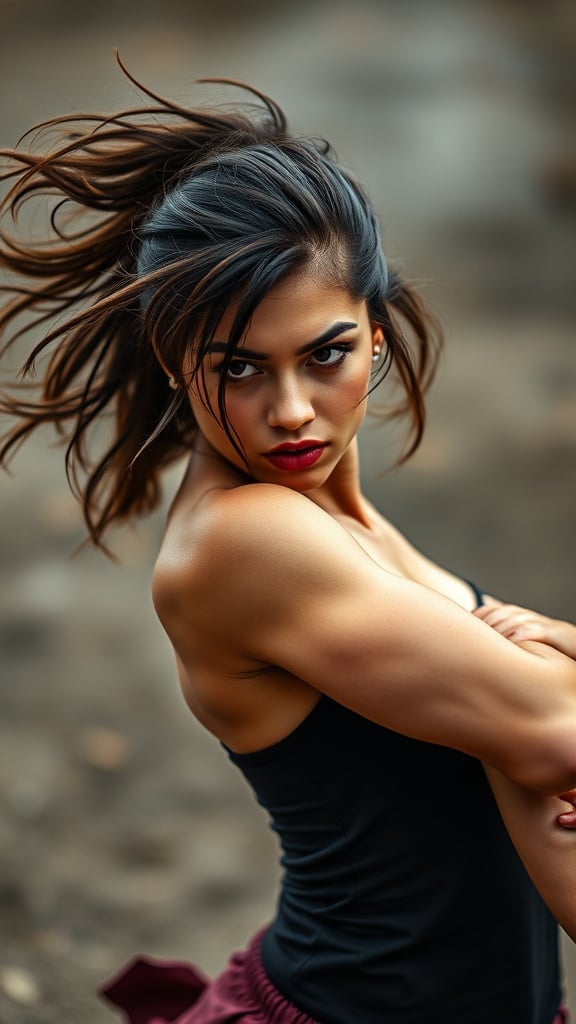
x,y
341,495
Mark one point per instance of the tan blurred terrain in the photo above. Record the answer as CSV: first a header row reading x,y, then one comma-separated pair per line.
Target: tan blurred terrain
x,y
124,828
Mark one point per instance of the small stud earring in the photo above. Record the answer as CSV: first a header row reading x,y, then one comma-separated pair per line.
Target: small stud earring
x,y
173,383
376,355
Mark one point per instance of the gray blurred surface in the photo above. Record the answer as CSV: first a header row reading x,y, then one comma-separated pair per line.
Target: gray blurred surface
x,y
124,828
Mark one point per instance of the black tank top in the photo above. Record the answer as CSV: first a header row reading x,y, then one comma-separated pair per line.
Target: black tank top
x,y
403,900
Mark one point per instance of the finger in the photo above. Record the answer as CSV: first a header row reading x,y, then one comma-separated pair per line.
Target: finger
x,y
484,610
510,624
567,820
501,606
528,631
502,613
493,618
516,618
517,624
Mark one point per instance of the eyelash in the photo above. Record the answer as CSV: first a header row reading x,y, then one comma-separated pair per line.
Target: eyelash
x,y
342,347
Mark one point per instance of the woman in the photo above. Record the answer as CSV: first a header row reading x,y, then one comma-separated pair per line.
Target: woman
x,y
229,301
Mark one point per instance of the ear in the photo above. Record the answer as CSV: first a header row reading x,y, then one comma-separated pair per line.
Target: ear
x,y
162,365
377,336
170,379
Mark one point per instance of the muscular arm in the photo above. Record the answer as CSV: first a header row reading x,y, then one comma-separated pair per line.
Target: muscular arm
x,y
542,828
547,850
286,585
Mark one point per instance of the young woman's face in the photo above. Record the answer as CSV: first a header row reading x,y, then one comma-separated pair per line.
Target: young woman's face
x,y
296,389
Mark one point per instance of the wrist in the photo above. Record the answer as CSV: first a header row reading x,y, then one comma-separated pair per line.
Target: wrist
x,y
564,638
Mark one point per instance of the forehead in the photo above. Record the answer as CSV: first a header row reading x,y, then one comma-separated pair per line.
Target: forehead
x,y
295,311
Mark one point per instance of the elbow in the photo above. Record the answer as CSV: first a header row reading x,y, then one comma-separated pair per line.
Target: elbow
x,y
548,764
553,782
537,737
549,779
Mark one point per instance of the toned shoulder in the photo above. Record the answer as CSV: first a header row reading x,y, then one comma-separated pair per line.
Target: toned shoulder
x,y
234,523
233,538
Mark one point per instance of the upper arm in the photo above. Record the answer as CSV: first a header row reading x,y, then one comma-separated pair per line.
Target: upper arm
x,y
286,585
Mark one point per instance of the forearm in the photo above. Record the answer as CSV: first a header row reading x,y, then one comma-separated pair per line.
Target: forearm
x,y
547,850
565,639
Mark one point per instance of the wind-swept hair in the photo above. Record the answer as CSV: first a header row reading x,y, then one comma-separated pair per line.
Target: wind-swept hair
x,y
161,217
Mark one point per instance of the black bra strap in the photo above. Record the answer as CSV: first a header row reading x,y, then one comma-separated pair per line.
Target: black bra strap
x,y
476,591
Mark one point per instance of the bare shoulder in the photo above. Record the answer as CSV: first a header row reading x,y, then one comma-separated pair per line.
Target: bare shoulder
x,y
233,542
231,523
261,580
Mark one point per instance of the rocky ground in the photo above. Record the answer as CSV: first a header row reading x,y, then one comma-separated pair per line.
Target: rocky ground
x,y
124,828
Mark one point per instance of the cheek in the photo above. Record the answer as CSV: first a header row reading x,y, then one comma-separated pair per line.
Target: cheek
x,y
353,391
204,403
240,412
203,412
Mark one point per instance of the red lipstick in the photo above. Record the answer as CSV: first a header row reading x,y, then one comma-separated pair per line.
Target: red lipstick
x,y
297,456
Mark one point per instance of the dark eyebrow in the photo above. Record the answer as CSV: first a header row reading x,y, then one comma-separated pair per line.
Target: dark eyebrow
x,y
247,353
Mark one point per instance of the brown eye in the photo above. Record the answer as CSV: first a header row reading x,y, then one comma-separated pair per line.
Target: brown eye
x,y
331,355
238,370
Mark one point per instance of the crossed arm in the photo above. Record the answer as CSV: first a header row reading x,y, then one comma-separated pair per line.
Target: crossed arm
x,y
278,582
542,828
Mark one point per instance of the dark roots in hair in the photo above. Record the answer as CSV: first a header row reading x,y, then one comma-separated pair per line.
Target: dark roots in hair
x,y
160,218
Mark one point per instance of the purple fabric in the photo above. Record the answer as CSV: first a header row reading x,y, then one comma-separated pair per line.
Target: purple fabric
x,y
166,992
150,991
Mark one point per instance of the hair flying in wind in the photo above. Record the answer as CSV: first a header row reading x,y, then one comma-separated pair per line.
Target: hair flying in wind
x,y
159,218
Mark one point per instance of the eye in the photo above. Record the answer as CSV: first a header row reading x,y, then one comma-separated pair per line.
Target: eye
x,y
238,370
331,355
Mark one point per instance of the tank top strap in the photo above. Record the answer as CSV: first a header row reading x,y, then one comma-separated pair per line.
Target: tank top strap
x,y
478,594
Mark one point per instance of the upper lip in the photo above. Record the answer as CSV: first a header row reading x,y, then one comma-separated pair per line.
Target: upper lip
x,y
296,446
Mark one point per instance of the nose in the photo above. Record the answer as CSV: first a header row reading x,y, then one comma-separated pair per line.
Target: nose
x,y
290,405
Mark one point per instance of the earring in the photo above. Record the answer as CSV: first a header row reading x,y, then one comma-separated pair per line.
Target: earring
x,y
173,383
376,354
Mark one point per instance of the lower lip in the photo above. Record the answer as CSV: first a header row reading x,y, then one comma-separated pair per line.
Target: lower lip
x,y
291,462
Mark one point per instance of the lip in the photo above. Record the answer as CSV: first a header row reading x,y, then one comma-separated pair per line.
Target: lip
x,y
297,456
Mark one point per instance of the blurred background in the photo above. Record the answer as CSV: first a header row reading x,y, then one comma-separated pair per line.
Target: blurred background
x,y
124,828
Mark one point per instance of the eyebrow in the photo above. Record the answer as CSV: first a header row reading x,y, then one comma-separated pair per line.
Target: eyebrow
x,y
332,332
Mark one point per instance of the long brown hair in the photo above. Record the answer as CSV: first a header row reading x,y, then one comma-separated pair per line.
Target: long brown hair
x,y
160,216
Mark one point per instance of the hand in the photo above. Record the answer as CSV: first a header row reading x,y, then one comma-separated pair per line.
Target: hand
x,y
519,624
568,818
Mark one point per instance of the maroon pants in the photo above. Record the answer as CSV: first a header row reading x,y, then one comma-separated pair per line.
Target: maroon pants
x,y
159,991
